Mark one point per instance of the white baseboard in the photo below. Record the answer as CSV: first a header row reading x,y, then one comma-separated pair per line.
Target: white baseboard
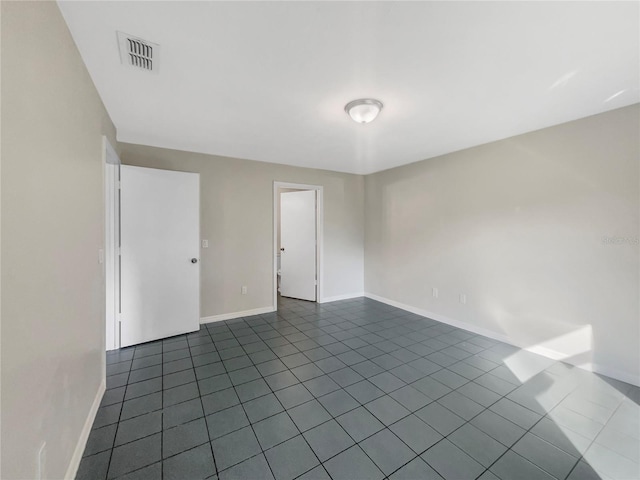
x,y
615,374
442,318
346,296
232,315
540,350
72,470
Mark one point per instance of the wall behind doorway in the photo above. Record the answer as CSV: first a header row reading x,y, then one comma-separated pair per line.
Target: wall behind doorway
x,y
237,219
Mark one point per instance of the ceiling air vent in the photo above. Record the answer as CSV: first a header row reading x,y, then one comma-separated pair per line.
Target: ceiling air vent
x,y
138,53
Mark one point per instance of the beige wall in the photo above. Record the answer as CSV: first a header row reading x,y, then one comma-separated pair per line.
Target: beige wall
x,y
237,218
518,226
52,228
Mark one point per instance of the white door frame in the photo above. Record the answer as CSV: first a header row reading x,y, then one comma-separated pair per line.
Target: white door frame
x,y
319,236
111,169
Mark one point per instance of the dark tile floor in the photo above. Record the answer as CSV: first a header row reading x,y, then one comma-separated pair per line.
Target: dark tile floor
x,y
355,390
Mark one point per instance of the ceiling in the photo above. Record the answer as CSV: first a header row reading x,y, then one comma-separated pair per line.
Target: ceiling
x,y
268,81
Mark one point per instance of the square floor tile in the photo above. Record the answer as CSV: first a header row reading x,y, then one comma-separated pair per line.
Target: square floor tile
x,y
479,394
195,464
353,464
244,375
414,470
451,462
107,415
338,402
262,407
293,395
317,473
546,456
350,357
367,368
364,391
271,367
295,360
330,364
253,389
321,385
184,437
100,439
345,377
214,402
135,455
94,467
275,430
113,396
387,382
141,405
439,418
512,465
226,421
431,388
407,374
387,451
253,468
477,444
234,448
145,374
138,427
214,384
328,440
415,433
359,423
143,388
460,405
515,413
448,378
178,378
387,410
182,413
307,372
308,415
499,428
291,459
410,398
281,380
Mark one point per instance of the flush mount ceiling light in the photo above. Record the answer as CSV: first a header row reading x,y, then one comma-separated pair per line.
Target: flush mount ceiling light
x,y
364,110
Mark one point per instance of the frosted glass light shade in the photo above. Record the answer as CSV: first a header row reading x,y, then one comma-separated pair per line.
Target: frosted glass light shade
x,y
364,110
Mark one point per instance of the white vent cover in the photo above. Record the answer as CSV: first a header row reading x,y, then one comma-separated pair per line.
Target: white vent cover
x,y
138,53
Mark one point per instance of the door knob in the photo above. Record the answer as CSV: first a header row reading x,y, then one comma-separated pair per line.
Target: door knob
x,y
194,260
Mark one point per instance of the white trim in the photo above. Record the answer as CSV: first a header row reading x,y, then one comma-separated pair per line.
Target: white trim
x,y
540,350
614,373
336,298
319,236
232,315
72,470
111,270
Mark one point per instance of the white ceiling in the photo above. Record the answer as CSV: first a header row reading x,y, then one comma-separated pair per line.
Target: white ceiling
x,y
268,81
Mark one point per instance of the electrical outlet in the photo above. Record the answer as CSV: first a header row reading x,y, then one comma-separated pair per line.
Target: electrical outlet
x,y
244,290
463,298
101,256
205,243
434,292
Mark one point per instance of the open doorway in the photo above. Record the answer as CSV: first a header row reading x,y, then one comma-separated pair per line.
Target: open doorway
x,y
297,271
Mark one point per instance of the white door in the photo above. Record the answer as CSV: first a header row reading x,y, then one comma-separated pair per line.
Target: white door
x,y
298,245
160,276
